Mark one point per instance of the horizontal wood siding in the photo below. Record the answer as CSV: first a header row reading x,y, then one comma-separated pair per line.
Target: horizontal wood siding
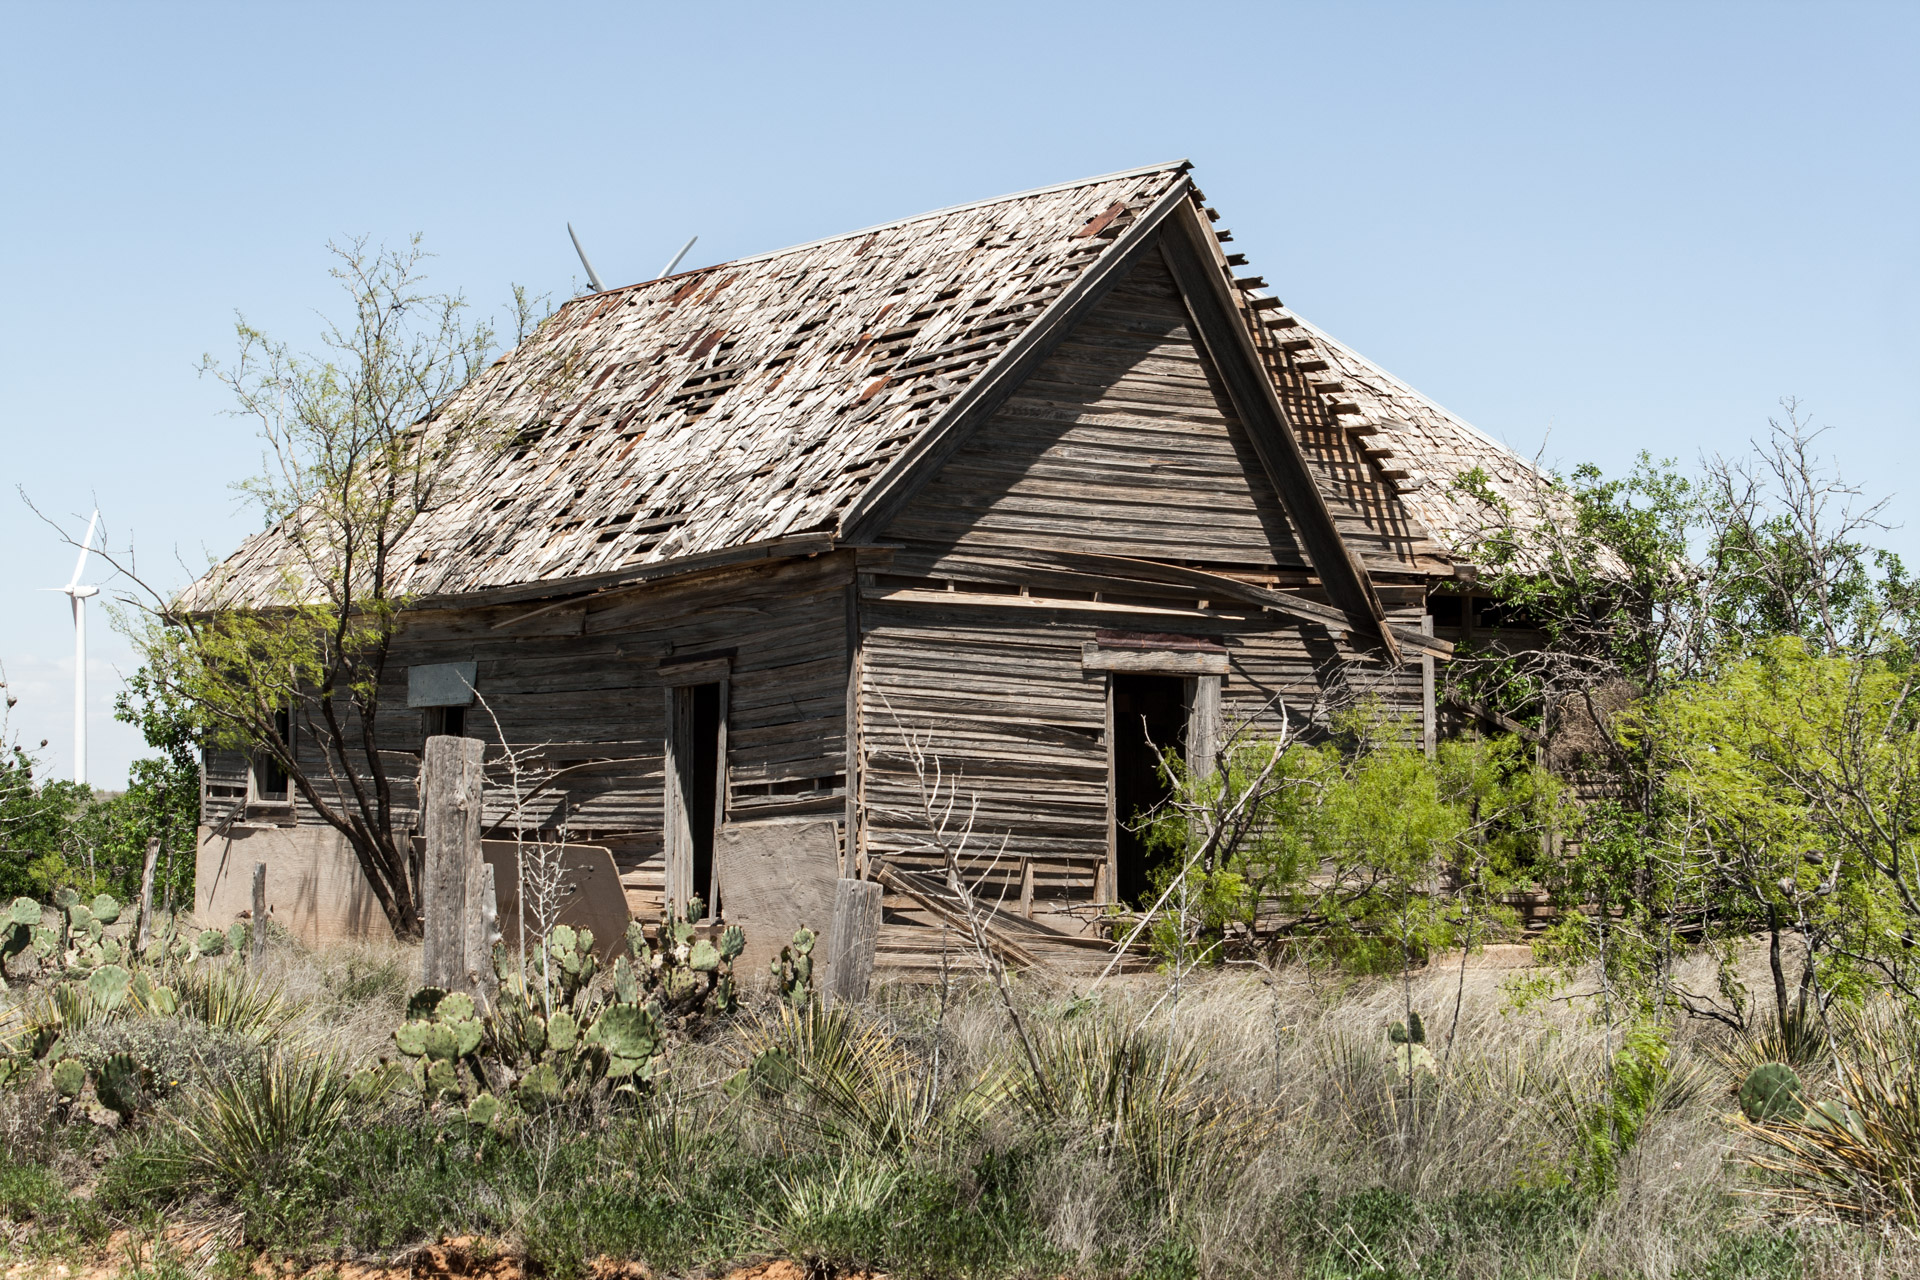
x,y
581,688
1120,443
973,634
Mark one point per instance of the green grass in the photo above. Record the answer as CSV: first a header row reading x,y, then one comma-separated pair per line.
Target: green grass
x,y
50,1220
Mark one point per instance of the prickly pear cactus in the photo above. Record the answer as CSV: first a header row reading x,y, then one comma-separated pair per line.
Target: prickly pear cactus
x,y
1835,1117
236,938
69,1077
106,909
1411,1058
210,942
121,1084
792,970
486,1111
108,986
1412,1031
631,1037
1772,1092
732,942
540,1086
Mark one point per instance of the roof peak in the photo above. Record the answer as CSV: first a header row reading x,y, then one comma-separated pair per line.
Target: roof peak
x,y
1170,166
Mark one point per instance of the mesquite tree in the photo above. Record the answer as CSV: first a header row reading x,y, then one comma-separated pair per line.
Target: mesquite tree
x,y
359,437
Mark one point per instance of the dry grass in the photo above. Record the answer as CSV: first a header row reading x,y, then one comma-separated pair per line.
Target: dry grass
x,y
1257,1118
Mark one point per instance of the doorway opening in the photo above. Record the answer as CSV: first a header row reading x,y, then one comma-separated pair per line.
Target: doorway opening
x,y
697,745
1149,717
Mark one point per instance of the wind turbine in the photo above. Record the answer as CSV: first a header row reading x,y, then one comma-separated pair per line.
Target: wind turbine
x,y
78,594
594,277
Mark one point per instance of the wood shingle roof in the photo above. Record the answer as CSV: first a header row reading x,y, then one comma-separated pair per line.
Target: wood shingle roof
x,y
761,400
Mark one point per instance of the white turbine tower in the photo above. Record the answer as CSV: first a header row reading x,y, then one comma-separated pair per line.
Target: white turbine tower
x,y
78,594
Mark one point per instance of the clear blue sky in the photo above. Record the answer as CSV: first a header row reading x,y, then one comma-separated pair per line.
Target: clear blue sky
x,y
1604,228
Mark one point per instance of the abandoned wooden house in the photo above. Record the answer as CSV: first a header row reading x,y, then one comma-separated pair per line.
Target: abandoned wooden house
x,y
1039,483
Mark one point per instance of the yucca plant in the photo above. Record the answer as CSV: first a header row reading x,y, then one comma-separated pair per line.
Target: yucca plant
x,y
1143,1101
814,1215
232,999
849,1081
245,1130
1856,1156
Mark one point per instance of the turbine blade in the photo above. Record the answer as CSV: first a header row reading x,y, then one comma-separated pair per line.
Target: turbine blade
x,y
80,565
592,275
668,269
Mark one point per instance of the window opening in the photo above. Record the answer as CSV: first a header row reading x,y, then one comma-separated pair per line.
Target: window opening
x,y
448,722
1149,717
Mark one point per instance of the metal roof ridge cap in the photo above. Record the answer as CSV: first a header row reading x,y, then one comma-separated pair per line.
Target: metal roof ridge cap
x,y
1171,166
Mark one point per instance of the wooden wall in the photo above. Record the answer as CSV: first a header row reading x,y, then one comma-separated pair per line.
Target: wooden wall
x,y
972,628
581,687
972,638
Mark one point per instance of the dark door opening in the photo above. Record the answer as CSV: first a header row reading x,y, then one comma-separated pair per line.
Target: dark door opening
x,y
697,760
1149,717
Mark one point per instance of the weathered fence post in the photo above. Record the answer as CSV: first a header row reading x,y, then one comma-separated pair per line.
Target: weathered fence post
x,y
851,939
258,952
483,930
452,880
146,897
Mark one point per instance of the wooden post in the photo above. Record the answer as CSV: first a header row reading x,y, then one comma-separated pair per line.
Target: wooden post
x,y
852,939
258,951
483,930
1429,730
451,882
145,931
1026,886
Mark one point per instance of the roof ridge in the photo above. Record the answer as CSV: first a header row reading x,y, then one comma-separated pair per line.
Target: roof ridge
x,y
1170,166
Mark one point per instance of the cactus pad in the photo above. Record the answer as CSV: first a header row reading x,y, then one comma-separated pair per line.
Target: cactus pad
x,y
24,912
211,942
422,1003
443,1045
466,1035
1411,1057
732,942
627,1032
457,1007
441,1078
484,1110
540,1085
562,1032
69,1077
1834,1116
108,986
106,908
1771,1092
120,1084
704,958
411,1038
626,983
